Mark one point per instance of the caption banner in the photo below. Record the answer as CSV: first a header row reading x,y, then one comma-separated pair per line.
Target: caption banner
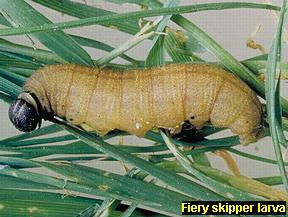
x,y
233,208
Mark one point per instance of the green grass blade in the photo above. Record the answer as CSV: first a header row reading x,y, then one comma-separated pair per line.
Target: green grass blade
x,y
272,96
17,162
26,203
89,212
4,22
110,204
5,98
9,88
131,15
201,158
253,157
86,42
156,53
16,61
120,187
13,77
77,147
175,41
49,57
273,180
148,4
62,184
143,34
24,15
53,128
15,183
172,43
20,57
81,10
38,54
107,206
37,141
225,190
178,182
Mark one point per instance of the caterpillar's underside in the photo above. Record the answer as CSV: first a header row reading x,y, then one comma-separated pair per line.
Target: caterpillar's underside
x,y
138,100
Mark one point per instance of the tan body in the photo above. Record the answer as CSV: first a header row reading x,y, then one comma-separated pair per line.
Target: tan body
x,y
138,100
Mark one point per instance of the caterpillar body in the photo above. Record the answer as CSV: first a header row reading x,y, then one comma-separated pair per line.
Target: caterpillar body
x,y
137,100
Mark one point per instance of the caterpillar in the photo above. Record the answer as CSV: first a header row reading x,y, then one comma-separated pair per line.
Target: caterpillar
x,y
137,100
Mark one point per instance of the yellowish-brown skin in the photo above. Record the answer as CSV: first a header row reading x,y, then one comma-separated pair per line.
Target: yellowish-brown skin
x,y
138,100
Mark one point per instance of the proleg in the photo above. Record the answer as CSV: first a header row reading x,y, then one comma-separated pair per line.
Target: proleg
x,y
137,100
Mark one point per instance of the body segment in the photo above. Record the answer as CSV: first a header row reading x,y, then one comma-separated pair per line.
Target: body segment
x,y
138,100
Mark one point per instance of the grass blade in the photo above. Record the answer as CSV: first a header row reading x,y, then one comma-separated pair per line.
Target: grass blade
x,y
156,54
178,182
171,42
81,10
121,187
132,15
53,128
27,203
37,141
38,54
24,15
9,88
223,189
143,34
273,97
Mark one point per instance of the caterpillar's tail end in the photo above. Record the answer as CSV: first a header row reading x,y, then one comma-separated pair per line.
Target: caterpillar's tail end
x,y
252,137
247,139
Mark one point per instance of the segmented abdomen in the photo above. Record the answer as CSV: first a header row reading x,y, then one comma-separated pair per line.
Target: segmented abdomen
x,y
137,100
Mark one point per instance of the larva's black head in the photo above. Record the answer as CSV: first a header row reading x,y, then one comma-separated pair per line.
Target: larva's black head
x,y
24,114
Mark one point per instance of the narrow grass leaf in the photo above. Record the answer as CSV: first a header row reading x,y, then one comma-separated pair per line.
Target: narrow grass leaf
x,y
66,185
15,162
272,180
156,53
86,42
53,128
81,10
107,206
190,188
172,43
37,54
201,158
24,15
225,190
22,143
143,34
253,157
5,98
13,77
148,4
131,15
110,204
131,189
15,183
12,59
24,203
272,96
9,88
